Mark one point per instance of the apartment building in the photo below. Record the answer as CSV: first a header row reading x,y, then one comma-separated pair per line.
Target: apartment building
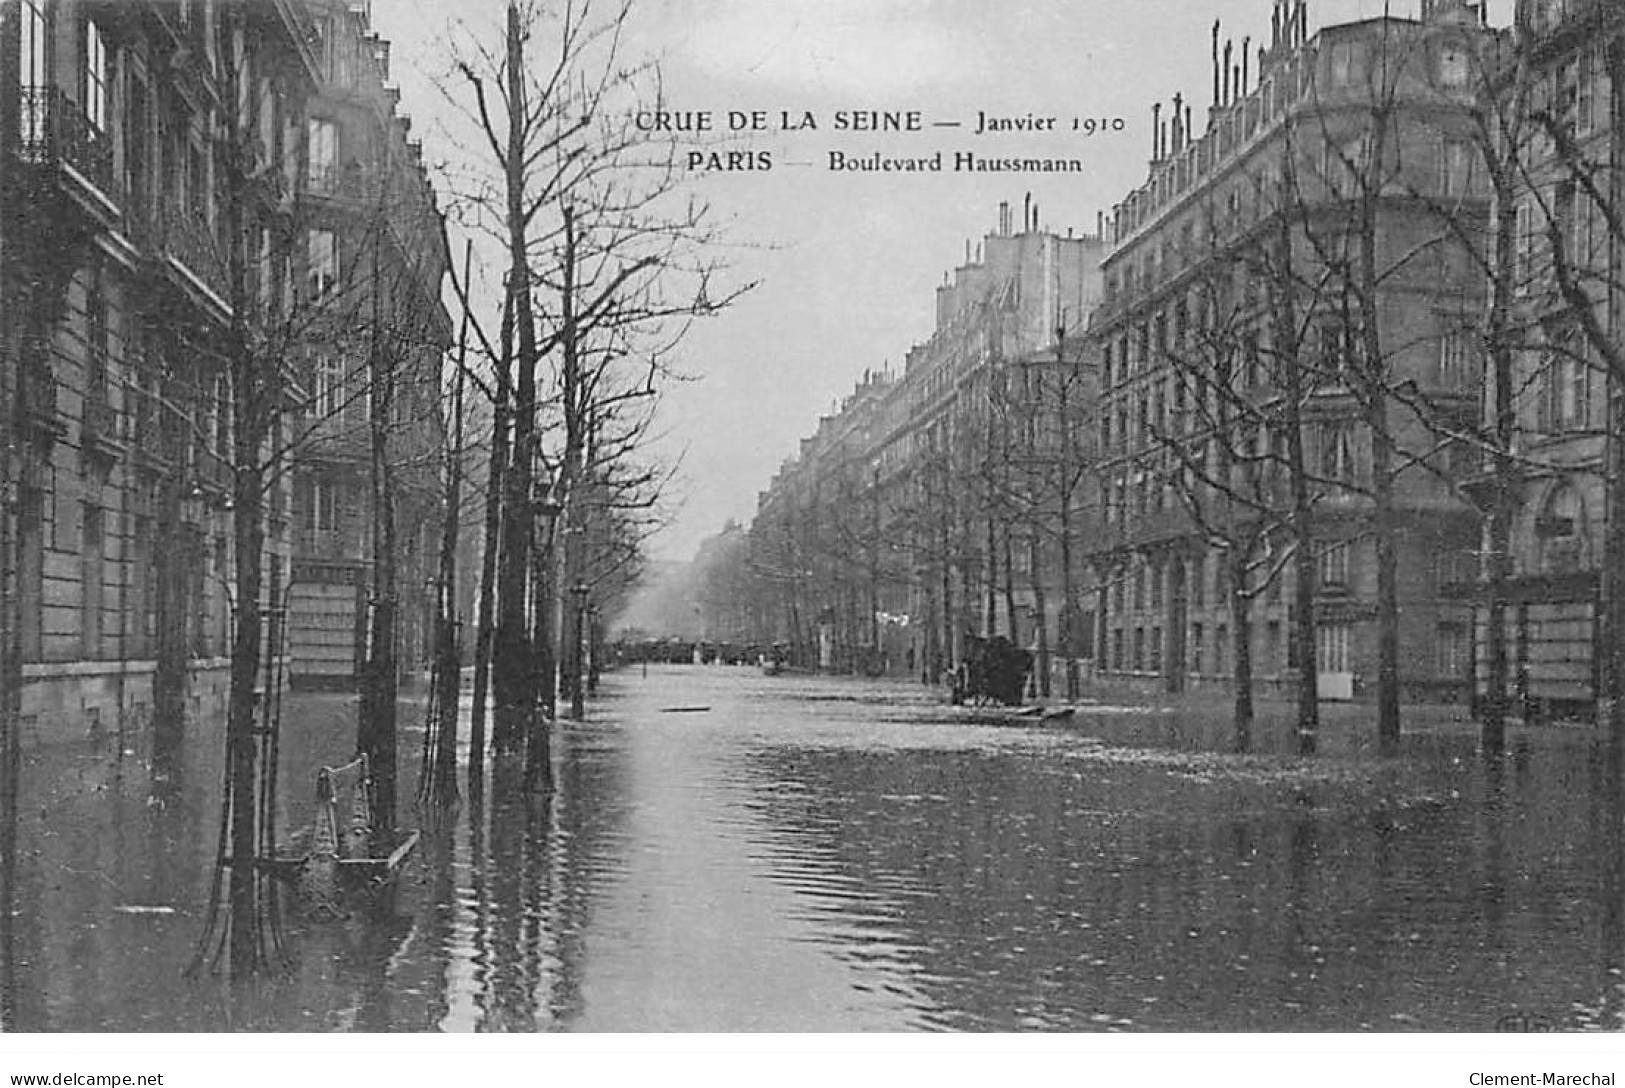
x,y
1300,263
156,227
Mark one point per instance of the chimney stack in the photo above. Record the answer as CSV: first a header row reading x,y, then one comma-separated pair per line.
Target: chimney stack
x,y
1215,64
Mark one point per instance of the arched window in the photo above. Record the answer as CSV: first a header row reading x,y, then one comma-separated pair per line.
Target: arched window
x,y
1561,532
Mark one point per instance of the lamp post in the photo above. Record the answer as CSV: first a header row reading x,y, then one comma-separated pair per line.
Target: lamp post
x,y
578,705
538,752
548,510
593,649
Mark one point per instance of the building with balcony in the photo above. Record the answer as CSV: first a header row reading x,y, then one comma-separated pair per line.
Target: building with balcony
x,y
116,314
154,152
1301,264
375,255
925,509
1559,99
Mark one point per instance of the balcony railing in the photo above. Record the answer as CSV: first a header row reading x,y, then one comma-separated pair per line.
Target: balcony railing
x,y
190,239
332,180
328,544
53,128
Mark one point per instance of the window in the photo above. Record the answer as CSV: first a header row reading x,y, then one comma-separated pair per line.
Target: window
x,y
1345,63
323,268
1196,648
1573,393
1561,532
1154,664
33,75
329,386
1523,265
1566,396
1333,566
1450,642
98,77
1221,648
1139,649
1456,167
1454,66
1336,451
1585,105
1453,349
322,145
1566,95
197,180
90,569
1333,645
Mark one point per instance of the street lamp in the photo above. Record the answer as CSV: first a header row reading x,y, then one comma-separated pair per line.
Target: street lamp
x,y
578,705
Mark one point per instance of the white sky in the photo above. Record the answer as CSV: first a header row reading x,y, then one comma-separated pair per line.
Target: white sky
x,y
848,264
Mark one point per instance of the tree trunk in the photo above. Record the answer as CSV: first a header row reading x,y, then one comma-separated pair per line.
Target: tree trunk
x,y
487,620
10,630
513,658
1498,534
572,475
1009,587
169,680
1041,633
538,751
1069,596
1374,397
377,732
241,762
1611,707
1382,485
1241,620
1285,345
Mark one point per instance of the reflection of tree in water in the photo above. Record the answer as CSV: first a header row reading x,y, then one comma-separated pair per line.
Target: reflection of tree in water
x,y
1013,890
534,867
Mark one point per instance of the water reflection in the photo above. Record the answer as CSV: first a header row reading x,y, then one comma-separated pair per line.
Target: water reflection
x,y
104,871
829,856
1015,892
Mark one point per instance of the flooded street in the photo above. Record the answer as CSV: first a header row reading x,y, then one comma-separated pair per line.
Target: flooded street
x,y
728,851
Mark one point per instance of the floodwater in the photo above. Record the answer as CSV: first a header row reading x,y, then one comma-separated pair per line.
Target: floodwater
x,y
729,851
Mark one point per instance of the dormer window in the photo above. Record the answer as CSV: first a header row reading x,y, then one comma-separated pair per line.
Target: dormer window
x,y
1454,67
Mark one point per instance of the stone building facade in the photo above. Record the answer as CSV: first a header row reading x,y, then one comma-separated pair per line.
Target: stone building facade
x,y
911,520
375,245
1238,260
1570,59
142,142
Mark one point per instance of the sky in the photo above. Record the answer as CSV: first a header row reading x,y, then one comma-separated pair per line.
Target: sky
x,y
847,263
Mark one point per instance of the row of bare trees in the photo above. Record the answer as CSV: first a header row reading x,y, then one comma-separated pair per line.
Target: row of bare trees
x,y
607,260
1372,332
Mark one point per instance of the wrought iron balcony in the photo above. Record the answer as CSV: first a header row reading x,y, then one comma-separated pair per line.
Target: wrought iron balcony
x,y
339,182
190,239
54,129
328,544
